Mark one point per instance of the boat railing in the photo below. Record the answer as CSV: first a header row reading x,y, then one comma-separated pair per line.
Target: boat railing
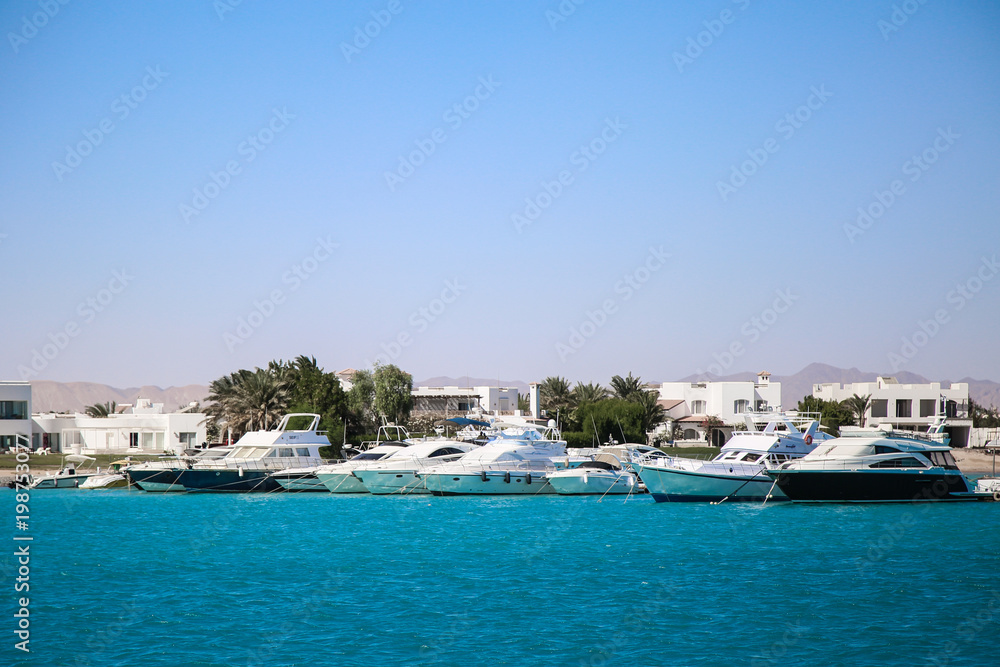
x,y
271,463
512,466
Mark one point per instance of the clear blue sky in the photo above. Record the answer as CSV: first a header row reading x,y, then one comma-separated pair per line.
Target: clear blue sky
x,y
666,122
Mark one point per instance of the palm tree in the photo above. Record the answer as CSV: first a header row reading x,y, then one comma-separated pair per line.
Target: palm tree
x,y
653,413
625,387
245,399
589,393
523,402
101,409
555,394
859,406
711,424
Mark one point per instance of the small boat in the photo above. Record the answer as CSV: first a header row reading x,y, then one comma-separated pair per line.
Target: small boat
x,y
602,476
71,476
113,478
877,466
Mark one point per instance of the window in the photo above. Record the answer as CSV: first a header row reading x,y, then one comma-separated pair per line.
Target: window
x,y
690,434
943,459
697,407
187,440
928,407
885,449
13,409
302,451
880,407
903,462
741,405
751,457
285,452
147,440
133,440
904,407
951,409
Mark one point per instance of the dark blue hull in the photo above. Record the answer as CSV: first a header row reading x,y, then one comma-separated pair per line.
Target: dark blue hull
x,y
872,486
228,480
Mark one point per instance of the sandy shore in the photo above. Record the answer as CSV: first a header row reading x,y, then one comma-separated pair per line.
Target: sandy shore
x,y
975,460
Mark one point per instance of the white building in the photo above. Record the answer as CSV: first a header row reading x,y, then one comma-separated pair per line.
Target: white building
x,y
346,378
459,400
15,414
689,404
908,407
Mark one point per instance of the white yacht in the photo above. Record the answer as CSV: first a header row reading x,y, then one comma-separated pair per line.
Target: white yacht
x,y
398,472
739,472
516,462
339,477
248,463
75,471
604,475
877,466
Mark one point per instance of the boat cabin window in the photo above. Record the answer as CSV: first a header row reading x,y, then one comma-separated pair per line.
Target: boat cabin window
x,y
730,455
885,449
596,465
369,456
750,456
445,451
899,462
285,452
943,459
302,451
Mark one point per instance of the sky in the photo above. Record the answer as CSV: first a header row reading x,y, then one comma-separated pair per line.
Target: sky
x,y
510,190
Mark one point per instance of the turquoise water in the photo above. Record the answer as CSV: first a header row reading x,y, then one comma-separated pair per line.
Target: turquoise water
x,y
129,578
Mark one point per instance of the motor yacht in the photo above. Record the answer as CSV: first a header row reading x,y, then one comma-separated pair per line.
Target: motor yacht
x,y
398,472
339,477
248,463
876,466
739,472
161,476
516,462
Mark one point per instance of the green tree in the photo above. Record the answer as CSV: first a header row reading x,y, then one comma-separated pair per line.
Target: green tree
x,y
711,425
555,395
613,419
101,409
834,414
393,392
246,400
859,406
523,402
653,413
983,417
361,401
626,387
589,393
313,390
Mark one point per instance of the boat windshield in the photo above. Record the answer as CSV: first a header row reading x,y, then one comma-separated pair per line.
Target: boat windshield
x,y
369,456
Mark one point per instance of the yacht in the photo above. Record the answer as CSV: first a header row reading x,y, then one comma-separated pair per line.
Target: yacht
x,y
876,466
248,463
516,462
604,475
161,476
398,472
339,477
75,471
739,472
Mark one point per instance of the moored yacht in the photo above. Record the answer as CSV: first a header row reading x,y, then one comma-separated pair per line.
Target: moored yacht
x,y
339,477
247,465
398,472
604,475
739,472
516,462
161,476
873,466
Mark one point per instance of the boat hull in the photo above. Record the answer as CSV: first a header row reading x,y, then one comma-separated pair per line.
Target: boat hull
x,y
300,482
493,483
670,485
227,480
589,483
115,481
341,482
70,482
879,486
159,480
385,482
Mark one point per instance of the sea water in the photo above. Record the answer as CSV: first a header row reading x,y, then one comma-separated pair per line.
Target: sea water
x,y
129,578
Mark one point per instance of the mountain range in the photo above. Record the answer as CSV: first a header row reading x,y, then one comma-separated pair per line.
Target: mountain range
x,y
75,396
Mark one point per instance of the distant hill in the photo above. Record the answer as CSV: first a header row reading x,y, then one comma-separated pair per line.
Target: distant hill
x,y
48,396
794,387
